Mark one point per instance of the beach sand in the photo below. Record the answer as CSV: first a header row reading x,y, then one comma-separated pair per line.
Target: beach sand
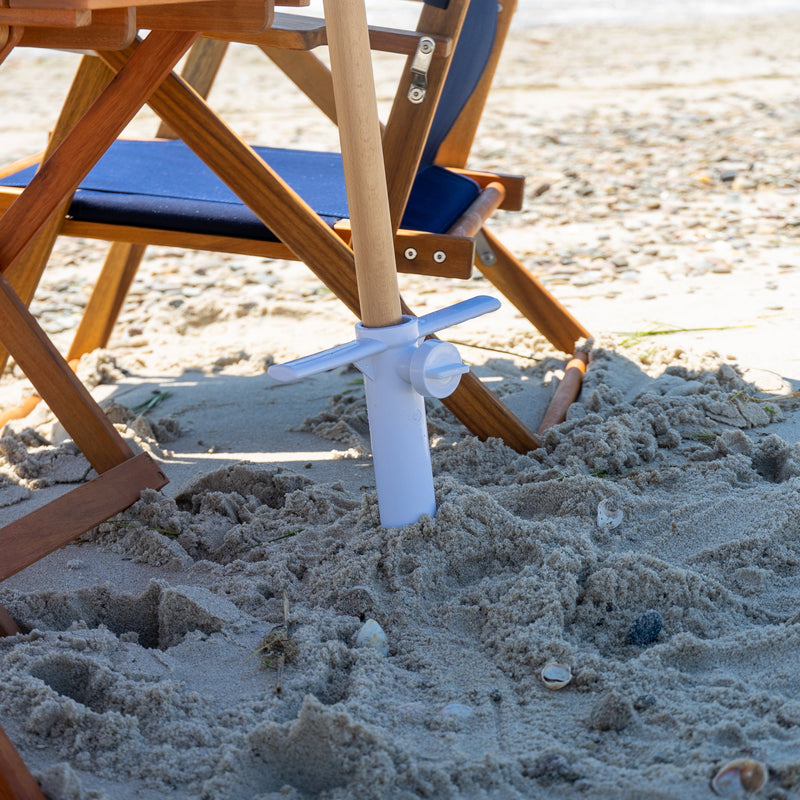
x,y
205,643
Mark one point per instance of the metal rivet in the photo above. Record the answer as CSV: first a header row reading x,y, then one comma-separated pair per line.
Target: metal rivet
x,y
439,256
410,253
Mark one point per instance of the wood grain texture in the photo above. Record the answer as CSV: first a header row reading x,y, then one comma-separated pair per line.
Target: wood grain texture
x,y
110,29
362,159
27,540
566,392
58,385
16,783
26,272
549,317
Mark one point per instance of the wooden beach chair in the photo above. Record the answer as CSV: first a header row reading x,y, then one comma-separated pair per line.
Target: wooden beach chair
x,y
438,211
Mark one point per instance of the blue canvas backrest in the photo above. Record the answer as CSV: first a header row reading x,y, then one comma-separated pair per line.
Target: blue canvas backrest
x,y
466,68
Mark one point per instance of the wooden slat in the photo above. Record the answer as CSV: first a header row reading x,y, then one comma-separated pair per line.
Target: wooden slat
x,y
16,783
43,531
514,185
8,627
93,5
110,29
221,16
454,150
105,303
551,319
123,258
9,37
60,17
486,416
309,74
296,32
484,205
566,392
409,124
24,275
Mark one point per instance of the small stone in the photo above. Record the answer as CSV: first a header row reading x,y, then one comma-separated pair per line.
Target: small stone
x,y
644,701
372,636
612,713
645,629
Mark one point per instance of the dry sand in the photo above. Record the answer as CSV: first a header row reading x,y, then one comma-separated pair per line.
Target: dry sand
x,y
663,196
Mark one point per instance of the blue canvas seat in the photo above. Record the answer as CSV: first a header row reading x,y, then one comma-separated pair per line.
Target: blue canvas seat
x,y
162,184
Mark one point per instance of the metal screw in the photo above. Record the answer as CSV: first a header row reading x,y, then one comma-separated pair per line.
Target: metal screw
x,y
440,256
425,45
410,253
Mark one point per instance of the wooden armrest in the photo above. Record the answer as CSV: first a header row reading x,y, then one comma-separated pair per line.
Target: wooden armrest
x,y
107,29
514,186
55,17
297,32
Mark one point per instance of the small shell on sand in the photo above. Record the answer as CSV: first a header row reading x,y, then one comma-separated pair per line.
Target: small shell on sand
x,y
740,778
556,676
372,635
609,515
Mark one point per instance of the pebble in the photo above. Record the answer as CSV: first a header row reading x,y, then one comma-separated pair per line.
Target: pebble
x,y
644,630
373,636
457,711
613,712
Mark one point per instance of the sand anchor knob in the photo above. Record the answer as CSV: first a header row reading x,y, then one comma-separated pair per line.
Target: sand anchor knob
x,y
400,369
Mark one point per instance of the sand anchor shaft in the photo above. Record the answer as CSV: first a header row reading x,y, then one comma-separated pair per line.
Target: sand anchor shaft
x,y
400,369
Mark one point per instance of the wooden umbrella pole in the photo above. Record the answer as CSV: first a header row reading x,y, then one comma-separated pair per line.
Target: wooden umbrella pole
x,y
362,156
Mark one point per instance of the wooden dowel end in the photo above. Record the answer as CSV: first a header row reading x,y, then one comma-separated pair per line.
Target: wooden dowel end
x,y
566,392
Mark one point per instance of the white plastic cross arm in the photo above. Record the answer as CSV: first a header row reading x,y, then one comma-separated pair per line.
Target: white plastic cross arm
x,y
453,315
333,357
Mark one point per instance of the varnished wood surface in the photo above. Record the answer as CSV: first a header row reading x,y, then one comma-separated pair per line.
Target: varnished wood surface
x,y
16,783
27,540
362,159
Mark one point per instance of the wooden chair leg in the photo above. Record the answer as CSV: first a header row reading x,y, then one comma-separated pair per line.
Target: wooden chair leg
x,y
7,625
16,783
107,297
31,538
123,259
551,319
92,77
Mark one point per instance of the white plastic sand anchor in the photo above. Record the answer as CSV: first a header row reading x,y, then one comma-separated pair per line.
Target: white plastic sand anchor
x,y
400,369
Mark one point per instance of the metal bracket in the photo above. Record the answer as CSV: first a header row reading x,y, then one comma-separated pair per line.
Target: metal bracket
x,y
419,69
483,250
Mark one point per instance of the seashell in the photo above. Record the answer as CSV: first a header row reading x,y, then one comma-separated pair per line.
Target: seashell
x,y
372,635
608,514
556,676
740,778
